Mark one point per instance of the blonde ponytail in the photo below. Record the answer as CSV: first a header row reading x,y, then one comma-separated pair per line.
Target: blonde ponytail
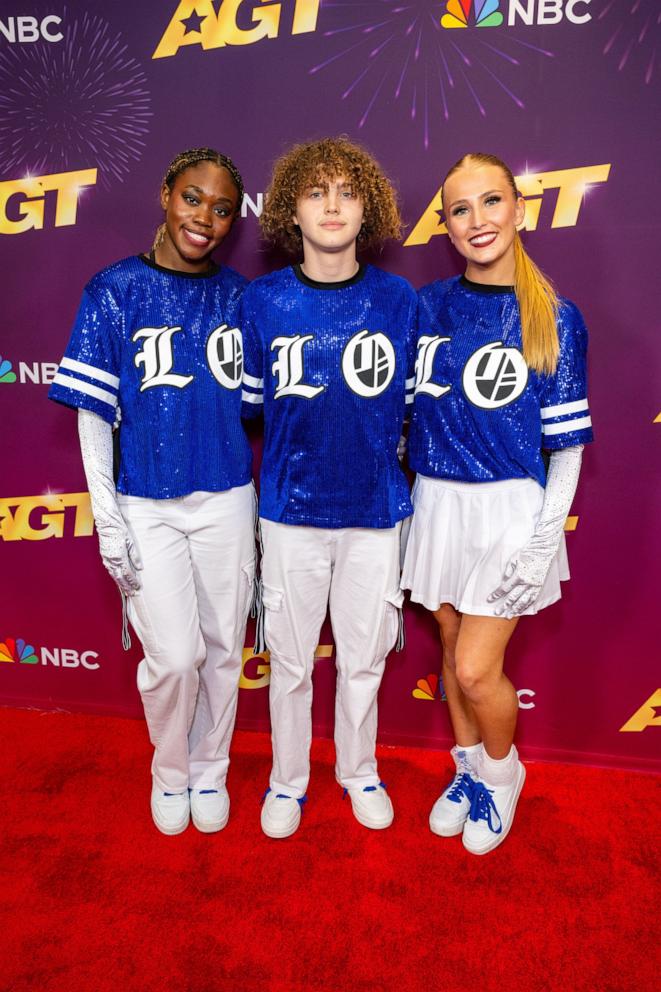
x,y
538,309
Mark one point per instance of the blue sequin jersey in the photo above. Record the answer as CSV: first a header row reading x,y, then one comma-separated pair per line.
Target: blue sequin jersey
x,y
160,351
331,365
480,415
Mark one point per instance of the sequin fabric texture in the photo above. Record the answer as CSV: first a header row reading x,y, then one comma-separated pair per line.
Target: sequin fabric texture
x,y
330,364
161,352
480,415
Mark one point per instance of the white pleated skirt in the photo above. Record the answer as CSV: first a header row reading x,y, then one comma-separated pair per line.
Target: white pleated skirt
x,y
462,537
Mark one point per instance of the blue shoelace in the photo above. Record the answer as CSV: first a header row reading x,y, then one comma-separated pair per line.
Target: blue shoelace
x,y
281,795
368,788
484,808
462,787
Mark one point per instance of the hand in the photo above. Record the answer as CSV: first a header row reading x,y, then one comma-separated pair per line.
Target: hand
x,y
522,583
120,557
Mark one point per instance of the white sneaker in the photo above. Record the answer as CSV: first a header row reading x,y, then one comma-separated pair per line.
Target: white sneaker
x,y
210,809
492,813
281,814
372,806
451,809
170,810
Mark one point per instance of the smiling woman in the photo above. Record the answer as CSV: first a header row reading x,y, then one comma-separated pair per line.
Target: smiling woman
x,y
201,197
502,374
156,348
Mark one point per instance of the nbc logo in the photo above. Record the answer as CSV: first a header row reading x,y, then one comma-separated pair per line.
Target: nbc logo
x,y
14,650
6,373
485,14
426,688
18,650
39,372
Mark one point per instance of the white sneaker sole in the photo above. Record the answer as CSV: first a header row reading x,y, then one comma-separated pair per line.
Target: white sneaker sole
x,y
370,823
210,826
170,830
446,829
494,840
280,832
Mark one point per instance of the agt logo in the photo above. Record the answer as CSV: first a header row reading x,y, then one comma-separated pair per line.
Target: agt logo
x,y
646,715
256,668
23,201
571,184
238,22
17,650
38,372
487,14
26,29
431,687
37,518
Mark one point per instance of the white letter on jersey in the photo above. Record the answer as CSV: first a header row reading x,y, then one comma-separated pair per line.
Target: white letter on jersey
x,y
225,356
494,376
368,363
157,358
424,366
288,367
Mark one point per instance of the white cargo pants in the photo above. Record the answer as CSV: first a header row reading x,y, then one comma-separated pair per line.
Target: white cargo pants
x,y
356,571
190,615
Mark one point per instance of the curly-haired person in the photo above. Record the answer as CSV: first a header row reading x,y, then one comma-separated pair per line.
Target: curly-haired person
x,y
329,358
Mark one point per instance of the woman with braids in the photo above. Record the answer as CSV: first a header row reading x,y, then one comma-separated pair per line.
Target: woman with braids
x,y
501,374
329,353
155,346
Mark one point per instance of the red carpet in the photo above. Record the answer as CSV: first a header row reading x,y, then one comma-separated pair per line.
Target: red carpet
x,y
95,899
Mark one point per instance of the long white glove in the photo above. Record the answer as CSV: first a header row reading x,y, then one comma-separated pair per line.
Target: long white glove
x,y
526,572
118,552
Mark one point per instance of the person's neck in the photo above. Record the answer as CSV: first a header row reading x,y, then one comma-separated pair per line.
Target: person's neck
x,y
498,275
330,266
171,260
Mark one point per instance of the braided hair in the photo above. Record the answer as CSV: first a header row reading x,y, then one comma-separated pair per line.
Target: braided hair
x,y
193,156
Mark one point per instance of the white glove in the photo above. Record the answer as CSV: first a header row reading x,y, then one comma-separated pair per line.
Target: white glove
x,y
526,572
118,552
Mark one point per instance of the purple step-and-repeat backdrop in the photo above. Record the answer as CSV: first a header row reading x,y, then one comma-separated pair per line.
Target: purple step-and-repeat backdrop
x,y
96,98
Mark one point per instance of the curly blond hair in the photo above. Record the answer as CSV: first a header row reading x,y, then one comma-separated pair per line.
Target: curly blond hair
x,y
314,164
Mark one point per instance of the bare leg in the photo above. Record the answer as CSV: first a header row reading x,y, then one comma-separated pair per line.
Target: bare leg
x,y
479,655
464,724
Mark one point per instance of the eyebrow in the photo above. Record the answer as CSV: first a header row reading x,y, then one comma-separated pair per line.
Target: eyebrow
x,y
463,199
192,186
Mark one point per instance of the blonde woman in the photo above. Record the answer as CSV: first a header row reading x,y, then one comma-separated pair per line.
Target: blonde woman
x,y
501,375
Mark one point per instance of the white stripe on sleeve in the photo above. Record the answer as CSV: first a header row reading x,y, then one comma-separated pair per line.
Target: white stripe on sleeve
x,y
89,370
77,385
579,424
251,381
251,397
562,409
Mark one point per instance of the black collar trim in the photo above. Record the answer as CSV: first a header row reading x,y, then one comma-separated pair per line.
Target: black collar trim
x,y
314,284
153,264
483,287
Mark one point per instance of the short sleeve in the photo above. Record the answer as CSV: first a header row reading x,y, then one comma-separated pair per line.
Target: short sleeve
x,y
565,411
252,393
88,375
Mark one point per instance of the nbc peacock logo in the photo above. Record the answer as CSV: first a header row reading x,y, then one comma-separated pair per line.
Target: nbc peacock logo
x,y
18,650
477,13
430,687
6,372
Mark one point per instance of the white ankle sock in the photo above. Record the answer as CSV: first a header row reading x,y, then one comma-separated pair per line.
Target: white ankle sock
x,y
498,771
472,759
